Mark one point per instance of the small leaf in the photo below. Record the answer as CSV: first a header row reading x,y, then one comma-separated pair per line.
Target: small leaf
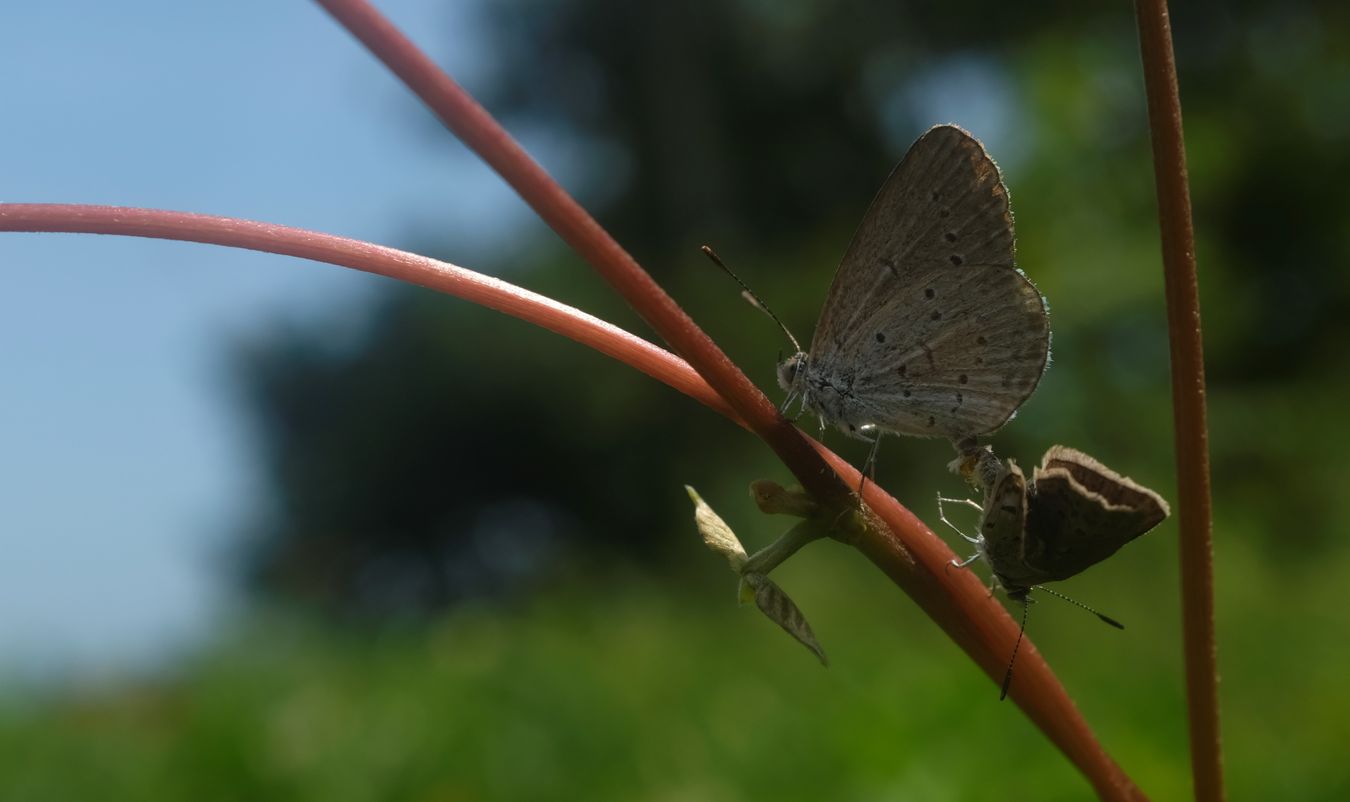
x,y
716,534
773,602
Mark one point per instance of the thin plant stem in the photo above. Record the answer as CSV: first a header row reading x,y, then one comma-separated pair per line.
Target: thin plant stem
x,y
485,137
423,271
892,537
956,600
1194,514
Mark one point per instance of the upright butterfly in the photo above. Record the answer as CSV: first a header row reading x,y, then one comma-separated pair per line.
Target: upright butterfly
x,y
929,329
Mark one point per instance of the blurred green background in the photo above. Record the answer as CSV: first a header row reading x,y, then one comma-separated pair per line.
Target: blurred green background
x,y
476,574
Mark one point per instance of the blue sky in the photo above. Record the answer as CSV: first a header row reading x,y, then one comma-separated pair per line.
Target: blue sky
x,y
124,460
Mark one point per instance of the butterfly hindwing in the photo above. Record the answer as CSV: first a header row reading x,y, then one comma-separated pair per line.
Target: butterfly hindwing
x,y
956,357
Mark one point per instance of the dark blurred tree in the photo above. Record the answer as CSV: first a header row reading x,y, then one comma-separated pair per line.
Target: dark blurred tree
x,y
759,118
449,452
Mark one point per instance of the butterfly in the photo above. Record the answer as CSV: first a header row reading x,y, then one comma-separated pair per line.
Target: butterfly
x,y
1075,513
929,329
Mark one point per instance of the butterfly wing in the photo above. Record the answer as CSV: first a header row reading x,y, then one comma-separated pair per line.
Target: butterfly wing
x,y
1080,512
940,333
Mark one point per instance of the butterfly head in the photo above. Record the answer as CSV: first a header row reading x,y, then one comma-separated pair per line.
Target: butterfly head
x,y
792,373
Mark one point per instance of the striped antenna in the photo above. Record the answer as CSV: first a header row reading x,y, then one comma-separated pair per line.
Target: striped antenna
x,y
749,295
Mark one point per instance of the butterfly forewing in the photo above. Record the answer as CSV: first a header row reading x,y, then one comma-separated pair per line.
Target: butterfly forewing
x,y
946,184
1080,512
1115,489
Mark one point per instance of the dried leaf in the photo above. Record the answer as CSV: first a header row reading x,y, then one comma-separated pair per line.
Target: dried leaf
x,y
716,534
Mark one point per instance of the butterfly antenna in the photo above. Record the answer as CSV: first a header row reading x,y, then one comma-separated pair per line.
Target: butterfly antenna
x,y
750,294
1106,618
1007,676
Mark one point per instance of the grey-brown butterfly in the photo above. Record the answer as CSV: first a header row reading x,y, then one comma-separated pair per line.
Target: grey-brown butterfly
x,y
929,329
1075,513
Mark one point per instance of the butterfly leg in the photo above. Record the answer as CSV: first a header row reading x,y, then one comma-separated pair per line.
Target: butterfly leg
x,y
942,516
869,469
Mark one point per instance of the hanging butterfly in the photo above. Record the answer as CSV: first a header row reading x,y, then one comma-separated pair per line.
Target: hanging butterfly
x,y
1075,513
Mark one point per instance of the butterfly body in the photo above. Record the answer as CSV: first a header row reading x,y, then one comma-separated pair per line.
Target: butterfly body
x,y
1002,536
928,330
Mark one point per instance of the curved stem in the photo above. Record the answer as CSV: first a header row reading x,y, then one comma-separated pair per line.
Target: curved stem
x,y
493,293
477,129
956,600
894,539
1194,514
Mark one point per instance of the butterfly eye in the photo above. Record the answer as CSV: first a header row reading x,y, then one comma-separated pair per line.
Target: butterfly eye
x,y
789,369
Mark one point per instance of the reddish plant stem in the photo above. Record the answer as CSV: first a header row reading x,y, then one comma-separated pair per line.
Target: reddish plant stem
x,y
477,129
955,599
903,547
1194,513
493,293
